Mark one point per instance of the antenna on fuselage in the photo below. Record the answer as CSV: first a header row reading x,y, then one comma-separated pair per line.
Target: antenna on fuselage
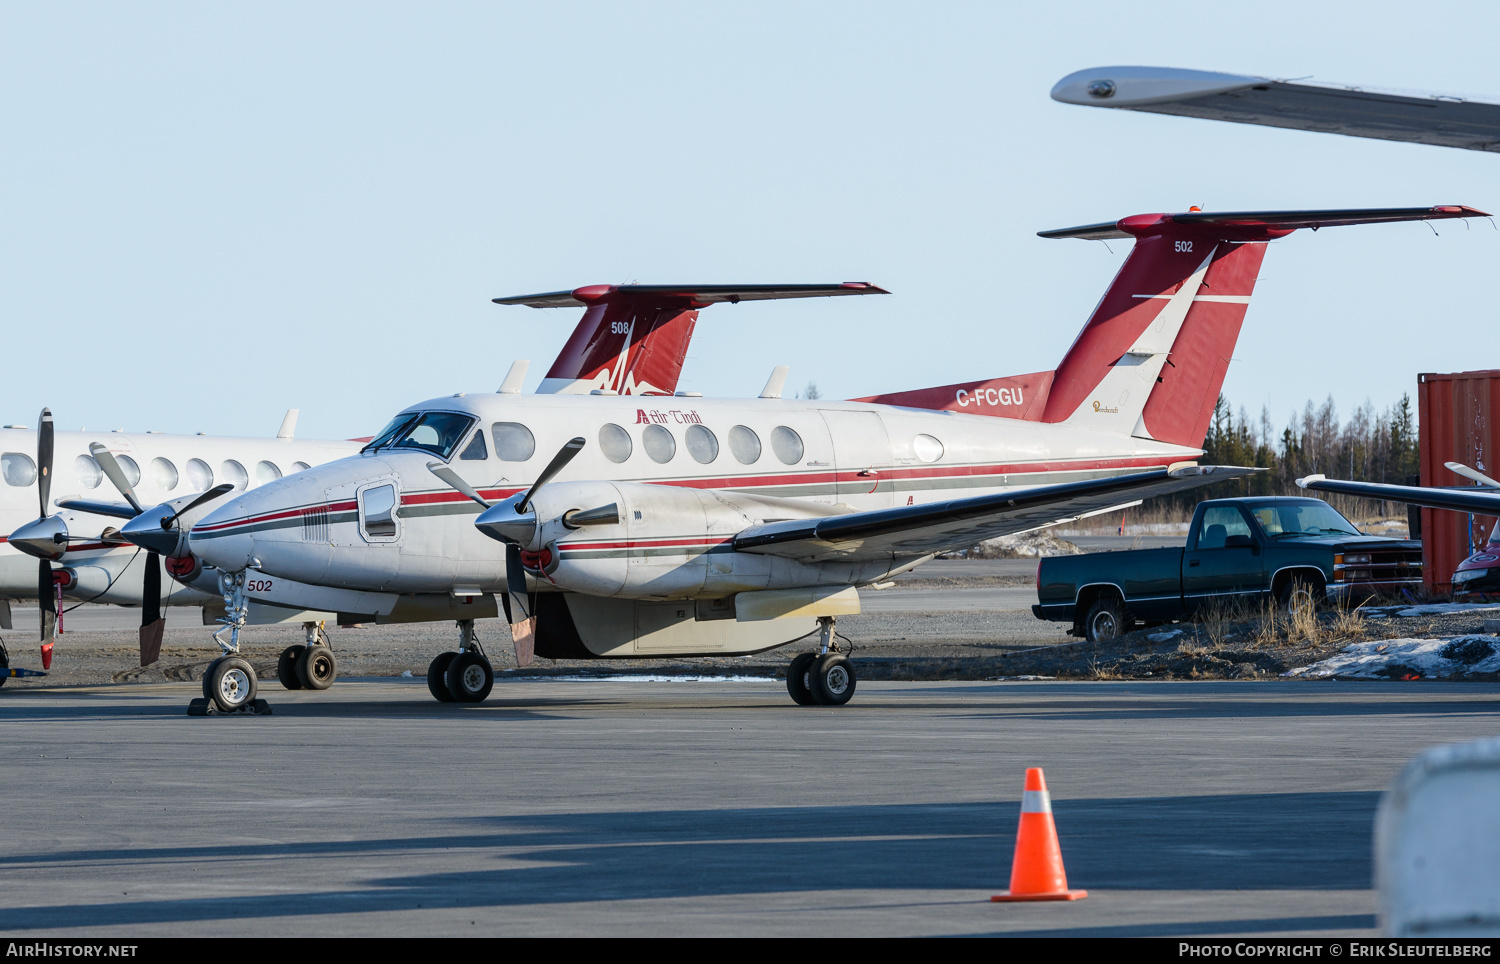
x,y
288,425
514,378
776,382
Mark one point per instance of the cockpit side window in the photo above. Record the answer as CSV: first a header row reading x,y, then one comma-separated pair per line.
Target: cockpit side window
x,y
475,451
435,432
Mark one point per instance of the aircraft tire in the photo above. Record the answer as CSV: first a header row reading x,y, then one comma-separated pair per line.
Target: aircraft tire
x,y
4,663
316,668
437,677
797,679
231,683
286,667
833,679
470,678
207,672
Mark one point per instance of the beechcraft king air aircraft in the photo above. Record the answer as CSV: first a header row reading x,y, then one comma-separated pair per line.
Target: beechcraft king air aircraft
x,y
618,527
632,339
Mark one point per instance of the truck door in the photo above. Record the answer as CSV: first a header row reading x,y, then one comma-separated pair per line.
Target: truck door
x,y
1223,562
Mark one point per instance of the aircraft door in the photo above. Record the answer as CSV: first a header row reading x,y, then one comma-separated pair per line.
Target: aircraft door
x,y
862,455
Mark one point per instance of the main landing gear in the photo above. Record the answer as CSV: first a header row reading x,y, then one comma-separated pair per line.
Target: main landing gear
x,y
462,677
824,678
310,666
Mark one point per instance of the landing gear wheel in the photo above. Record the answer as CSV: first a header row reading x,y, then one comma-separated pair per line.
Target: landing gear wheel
x,y
230,683
4,663
437,677
797,679
209,672
470,678
1106,620
316,668
286,667
832,679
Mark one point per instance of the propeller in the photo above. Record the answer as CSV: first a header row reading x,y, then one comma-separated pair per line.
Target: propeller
x,y
155,530
46,593
1458,468
511,522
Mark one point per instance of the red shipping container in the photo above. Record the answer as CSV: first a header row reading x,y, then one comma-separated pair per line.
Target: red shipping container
x,y
1459,419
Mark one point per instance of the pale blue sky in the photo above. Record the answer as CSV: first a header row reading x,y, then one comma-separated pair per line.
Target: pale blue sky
x,y
213,212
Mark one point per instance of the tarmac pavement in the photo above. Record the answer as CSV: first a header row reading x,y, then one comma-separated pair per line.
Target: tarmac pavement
x,y
706,808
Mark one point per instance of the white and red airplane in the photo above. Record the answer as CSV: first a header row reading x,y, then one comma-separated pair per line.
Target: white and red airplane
x,y
720,526
632,339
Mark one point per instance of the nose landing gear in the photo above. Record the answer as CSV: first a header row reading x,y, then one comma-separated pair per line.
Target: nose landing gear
x,y
824,678
465,676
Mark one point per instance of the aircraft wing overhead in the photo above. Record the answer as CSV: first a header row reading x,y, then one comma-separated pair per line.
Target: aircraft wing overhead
x,y
918,530
1355,111
700,295
1481,501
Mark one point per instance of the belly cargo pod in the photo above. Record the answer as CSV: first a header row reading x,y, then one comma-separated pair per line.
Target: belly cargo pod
x,y
1459,418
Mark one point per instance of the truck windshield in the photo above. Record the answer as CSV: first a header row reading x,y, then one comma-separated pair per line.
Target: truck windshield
x,y
1312,517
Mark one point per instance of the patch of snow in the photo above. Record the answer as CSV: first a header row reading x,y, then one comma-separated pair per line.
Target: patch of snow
x,y
406,673
1443,609
1025,545
1013,679
1409,658
1166,635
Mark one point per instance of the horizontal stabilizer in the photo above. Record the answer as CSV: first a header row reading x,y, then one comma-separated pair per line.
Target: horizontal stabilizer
x,y
1479,501
695,296
1271,223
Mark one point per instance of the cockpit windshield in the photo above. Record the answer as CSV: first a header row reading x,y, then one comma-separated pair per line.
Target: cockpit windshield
x,y
1304,517
435,432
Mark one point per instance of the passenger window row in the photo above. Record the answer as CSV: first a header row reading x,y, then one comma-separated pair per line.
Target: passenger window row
x,y
19,469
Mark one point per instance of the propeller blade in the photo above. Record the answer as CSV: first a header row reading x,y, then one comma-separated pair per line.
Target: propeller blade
x,y
44,460
152,623
114,509
522,619
452,478
558,463
46,603
208,496
106,460
1458,468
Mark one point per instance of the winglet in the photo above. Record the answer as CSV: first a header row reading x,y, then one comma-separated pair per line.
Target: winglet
x,y
288,424
776,382
1305,481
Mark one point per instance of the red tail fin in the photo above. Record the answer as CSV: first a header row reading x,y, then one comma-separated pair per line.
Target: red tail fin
x,y
632,339
1152,357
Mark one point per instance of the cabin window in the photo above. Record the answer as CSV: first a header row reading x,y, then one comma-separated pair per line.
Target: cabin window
x,y
266,472
927,448
787,445
300,466
234,473
89,473
702,444
200,476
476,450
659,443
615,442
131,470
744,444
377,511
513,441
18,468
163,474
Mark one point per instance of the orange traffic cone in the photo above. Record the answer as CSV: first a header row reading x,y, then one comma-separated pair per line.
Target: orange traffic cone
x,y
1037,871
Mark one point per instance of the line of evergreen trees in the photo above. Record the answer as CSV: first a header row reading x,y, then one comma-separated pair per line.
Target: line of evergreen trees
x,y
1370,447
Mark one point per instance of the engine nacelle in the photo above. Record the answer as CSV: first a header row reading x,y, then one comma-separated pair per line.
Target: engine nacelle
x,y
669,542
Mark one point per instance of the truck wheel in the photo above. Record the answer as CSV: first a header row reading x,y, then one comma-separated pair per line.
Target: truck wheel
x,y
1300,595
1106,620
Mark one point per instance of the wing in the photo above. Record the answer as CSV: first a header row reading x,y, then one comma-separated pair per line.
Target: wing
x,y
699,295
918,530
1356,111
1480,501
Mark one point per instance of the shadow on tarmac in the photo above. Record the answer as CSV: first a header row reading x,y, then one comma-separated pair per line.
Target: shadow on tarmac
x,y
1245,841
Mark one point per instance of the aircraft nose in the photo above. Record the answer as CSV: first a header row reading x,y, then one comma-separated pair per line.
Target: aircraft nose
x,y
224,538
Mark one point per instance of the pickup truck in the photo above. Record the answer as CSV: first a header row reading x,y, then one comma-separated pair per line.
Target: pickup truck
x,y
1297,551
